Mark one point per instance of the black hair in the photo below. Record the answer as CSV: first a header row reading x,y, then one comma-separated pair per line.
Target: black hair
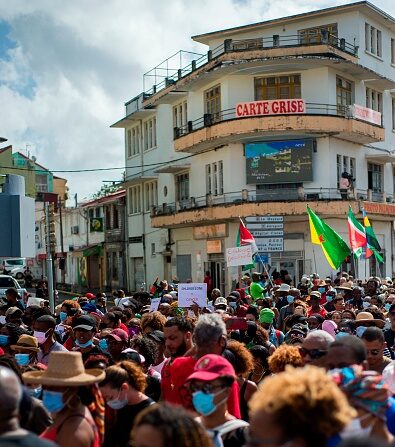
x,y
48,319
183,324
373,334
113,317
354,344
146,347
15,332
261,353
253,311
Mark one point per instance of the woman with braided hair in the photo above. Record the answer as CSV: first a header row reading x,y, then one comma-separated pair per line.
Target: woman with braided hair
x,y
164,425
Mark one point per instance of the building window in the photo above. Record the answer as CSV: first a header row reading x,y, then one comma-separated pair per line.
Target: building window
x,y
277,87
150,134
344,94
133,141
108,218
215,178
91,213
98,211
212,102
373,40
393,51
41,183
182,187
314,35
115,220
151,195
180,114
114,265
153,249
135,199
393,113
375,177
345,164
374,100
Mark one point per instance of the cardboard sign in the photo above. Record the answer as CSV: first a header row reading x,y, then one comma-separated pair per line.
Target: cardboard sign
x,y
154,304
192,293
239,256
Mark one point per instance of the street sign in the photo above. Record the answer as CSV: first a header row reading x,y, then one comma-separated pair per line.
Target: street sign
x,y
264,219
270,244
267,233
263,258
265,226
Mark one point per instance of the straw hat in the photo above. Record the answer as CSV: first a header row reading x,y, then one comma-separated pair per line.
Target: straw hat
x,y
64,369
367,317
26,343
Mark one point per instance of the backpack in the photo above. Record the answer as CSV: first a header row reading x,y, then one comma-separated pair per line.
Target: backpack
x,y
225,428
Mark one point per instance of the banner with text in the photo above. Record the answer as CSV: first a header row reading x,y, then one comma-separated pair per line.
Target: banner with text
x,y
191,293
239,256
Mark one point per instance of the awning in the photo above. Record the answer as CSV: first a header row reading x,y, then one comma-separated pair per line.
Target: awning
x,y
94,250
381,157
173,169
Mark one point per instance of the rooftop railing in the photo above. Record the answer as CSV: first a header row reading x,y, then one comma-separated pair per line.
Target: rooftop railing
x,y
244,196
234,46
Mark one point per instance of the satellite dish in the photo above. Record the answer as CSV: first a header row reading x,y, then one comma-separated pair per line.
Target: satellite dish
x,y
34,158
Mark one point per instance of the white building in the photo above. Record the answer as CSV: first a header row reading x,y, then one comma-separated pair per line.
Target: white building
x,y
187,143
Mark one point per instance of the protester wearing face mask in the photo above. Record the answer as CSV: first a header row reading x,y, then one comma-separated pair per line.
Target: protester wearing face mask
x,y
210,385
123,390
68,390
368,394
9,335
44,328
266,319
26,350
83,331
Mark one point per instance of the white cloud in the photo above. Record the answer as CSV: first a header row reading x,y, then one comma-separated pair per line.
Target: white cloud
x,y
87,57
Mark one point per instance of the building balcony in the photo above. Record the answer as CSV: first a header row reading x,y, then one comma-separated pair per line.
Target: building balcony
x,y
282,201
285,49
317,120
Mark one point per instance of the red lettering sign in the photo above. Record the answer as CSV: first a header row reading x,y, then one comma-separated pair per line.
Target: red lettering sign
x,y
275,107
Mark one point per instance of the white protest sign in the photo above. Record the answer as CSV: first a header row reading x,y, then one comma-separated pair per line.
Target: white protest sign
x,y
33,301
239,256
192,293
154,304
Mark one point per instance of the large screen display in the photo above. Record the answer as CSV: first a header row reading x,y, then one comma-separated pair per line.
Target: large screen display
x,y
279,161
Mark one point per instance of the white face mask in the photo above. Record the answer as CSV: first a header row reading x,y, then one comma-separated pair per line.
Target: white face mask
x,y
2,319
354,429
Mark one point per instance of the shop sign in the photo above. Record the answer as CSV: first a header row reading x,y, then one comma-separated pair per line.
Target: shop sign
x,y
272,107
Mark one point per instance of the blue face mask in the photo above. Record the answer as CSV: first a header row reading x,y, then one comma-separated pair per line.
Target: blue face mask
x,y
22,359
35,392
329,298
341,335
4,340
117,404
359,331
103,345
290,299
204,402
53,401
63,316
365,304
321,289
93,302
84,345
387,306
233,304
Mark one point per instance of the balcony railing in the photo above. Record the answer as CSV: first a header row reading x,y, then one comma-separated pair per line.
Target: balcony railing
x,y
208,119
269,195
234,46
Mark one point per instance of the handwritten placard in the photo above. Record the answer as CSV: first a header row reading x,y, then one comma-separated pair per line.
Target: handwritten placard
x,y
154,304
239,256
192,293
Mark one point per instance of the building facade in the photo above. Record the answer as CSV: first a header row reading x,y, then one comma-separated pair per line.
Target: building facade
x,y
264,124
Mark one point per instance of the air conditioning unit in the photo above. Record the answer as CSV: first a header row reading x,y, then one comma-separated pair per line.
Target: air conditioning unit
x,y
75,229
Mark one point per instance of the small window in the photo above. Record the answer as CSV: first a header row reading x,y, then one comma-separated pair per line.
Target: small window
x,y
277,87
182,187
150,134
393,51
98,212
393,113
373,40
375,177
212,102
374,100
135,199
153,249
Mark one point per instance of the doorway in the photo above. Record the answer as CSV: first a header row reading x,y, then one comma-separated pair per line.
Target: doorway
x,y
217,272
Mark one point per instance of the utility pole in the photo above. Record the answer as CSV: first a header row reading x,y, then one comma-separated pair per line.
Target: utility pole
x,y
51,295
61,241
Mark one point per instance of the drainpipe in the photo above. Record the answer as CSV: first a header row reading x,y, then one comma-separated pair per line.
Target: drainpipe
x,y
142,203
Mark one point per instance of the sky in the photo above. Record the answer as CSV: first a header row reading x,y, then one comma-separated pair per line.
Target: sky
x,y
68,66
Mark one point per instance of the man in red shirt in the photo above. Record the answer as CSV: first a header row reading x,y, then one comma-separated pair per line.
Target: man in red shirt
x,y
178,341
315,306
210,338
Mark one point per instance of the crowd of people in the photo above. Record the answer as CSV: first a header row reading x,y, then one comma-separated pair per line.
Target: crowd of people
x,y
273,364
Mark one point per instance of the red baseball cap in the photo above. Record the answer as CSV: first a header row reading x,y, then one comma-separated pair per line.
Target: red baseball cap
x,y
119,335
210,367
90,296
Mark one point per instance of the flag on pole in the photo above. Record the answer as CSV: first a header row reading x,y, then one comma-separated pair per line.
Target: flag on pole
x,y
372,244
244,237
333,246
356,234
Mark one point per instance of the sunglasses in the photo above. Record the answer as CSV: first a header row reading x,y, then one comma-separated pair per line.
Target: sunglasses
x,y
313,353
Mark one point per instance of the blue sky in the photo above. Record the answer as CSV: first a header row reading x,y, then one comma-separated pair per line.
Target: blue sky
x,y
67,67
